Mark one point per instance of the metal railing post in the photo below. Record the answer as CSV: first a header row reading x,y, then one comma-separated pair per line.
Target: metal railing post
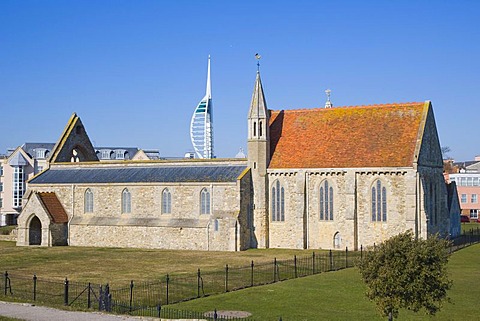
x,y
89,296
346,257
65,292
198,283
275,270
313,263
251,274
168,283
295,265
34,287
226,278
6,284
131,295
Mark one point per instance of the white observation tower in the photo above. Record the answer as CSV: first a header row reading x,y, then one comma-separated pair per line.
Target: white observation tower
x,y
201,126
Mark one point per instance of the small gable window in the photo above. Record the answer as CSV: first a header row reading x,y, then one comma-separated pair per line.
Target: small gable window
x,y
119,154
166,201
326,201
126,201
88,201
204,201
379,202
278,202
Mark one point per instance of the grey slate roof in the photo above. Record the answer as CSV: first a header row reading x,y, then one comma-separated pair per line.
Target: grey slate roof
x,y
30,148
147,174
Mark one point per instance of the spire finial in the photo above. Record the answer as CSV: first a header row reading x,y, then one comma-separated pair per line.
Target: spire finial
x,y
328,104
258,57
209,85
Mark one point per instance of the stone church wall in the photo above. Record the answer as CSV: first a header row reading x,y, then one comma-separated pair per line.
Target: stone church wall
x,y
145,226
352,206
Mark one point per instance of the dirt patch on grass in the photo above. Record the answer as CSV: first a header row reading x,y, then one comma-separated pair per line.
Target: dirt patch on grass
x,y
227,314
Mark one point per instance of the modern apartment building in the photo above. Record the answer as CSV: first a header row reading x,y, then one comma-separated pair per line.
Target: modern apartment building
x,y
467,177
18,165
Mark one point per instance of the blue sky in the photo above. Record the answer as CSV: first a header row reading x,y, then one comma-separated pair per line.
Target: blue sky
x,y
135,70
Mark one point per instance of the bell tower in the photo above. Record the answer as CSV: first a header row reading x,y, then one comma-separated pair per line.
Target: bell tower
x,y
258,160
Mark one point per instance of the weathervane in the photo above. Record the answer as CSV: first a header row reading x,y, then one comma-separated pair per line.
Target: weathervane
x,y
258,57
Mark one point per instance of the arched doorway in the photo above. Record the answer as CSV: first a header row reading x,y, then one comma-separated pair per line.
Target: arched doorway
x,y
35,232
337,241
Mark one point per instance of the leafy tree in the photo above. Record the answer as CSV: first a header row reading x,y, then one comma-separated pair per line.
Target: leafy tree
x,y
404,272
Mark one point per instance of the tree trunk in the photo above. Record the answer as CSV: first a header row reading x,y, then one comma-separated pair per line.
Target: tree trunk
x,y
390,316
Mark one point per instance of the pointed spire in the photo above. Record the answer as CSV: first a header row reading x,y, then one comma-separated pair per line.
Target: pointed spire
x,y
209,85
258,106
328,103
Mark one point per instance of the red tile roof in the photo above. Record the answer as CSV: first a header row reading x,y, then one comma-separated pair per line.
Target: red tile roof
x,y
345,137
53,207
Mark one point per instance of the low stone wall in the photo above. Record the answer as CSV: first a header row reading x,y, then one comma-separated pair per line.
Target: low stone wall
x,y
8,237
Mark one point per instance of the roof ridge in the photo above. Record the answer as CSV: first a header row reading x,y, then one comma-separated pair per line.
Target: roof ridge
x,y
352,106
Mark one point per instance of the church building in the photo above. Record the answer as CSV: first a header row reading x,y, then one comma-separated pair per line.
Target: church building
x,y
323,178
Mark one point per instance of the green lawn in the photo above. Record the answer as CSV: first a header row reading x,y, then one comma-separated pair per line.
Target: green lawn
x,y
466,227
120,265
340,296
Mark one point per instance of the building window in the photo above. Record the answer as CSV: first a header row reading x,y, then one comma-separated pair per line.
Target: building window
x,y
278,202
464,198
474,198
1,170
105,154
216,225
88,206
326,201
260,128
18,185
204,201
1,187
126,201
1,202
379,202
474,214
119,154
40,153
254,129
39,169
166,201
475,181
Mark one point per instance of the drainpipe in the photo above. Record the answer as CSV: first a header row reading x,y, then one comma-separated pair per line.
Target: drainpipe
x,y
307,204
73,214
208,235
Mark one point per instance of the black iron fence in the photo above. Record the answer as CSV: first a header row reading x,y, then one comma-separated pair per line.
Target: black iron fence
x,y
465,239
150,298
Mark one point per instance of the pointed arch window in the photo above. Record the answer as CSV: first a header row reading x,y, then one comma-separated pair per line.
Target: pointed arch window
x,y
260,128
88,201
166,201
126,201
326,201
379,202
254,129
204,201
278,202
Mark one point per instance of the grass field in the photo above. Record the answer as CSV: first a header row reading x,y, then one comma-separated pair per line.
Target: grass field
x,y
118,266
466,227
340,296
328,296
